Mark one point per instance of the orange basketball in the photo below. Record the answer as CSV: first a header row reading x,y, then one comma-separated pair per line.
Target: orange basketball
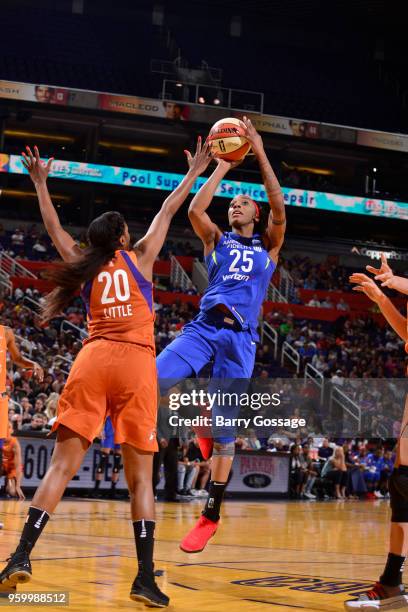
x,y
228,141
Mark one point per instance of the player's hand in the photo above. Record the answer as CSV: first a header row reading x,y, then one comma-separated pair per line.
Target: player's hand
x,y
202,157
227,165
383,274
38,372
253,137
20,493
366,285
38,169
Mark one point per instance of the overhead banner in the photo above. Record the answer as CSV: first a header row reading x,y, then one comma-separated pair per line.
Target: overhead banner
x,y
180,111
168,181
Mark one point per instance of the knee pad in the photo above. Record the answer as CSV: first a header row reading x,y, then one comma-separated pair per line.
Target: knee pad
x,y
223,449
103,459
398,488
117,458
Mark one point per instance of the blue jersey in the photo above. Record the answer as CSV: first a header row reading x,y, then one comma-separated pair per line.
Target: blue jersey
x,y
239,272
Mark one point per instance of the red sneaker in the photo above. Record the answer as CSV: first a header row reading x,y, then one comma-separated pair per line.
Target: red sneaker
x,y
196,539
206,446
203,433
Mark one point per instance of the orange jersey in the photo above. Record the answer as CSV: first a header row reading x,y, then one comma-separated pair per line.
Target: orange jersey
x,y
3,359
119,302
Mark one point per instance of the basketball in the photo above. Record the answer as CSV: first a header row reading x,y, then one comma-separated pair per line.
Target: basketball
x,y
227,137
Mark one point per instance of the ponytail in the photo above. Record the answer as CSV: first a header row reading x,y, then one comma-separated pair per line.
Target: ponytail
x,y
103,240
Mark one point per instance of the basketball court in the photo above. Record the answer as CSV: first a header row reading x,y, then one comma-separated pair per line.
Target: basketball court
x,y
267,556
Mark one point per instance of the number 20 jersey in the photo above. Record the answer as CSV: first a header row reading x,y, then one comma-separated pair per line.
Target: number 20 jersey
x,y
119,302
239,272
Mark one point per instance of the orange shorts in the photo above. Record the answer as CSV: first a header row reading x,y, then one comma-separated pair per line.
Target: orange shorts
x,y
4,417
118,379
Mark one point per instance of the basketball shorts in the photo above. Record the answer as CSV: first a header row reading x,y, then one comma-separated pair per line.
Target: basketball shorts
x,y
116,379
209,338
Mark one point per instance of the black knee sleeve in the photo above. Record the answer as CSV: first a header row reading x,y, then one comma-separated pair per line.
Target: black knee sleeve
x,y
116,463
398,488
103,460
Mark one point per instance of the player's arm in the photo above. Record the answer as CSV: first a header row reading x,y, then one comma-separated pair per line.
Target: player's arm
x,y
275,231
205,229
38,170
19,359
387,276
366,285
148,247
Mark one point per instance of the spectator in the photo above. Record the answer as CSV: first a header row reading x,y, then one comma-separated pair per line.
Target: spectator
x,y
38,423
335,471
314,302
342,305
298,471
325,451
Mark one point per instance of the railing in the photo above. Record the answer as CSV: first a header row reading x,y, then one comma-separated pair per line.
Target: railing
x,y
57,362
12,267
178,276
33,305
79,330
348,405
274,295
291,354
14,404
271,334
5,283
23,342
286,284
316,377
200,275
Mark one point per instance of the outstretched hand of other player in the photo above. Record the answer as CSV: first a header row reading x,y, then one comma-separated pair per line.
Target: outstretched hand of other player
x,y
384,273
38,169
366,285
201,159
253,137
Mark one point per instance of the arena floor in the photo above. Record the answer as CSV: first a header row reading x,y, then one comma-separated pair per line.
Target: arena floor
x,y
300,555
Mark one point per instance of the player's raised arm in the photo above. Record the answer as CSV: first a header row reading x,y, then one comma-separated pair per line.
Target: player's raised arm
x,y
19,359
64,243
387,276
275,232
148,247
366,285
205,229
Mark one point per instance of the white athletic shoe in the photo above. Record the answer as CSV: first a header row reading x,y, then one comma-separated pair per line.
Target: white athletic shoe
x,y
310,496
378,494
203,493
377,599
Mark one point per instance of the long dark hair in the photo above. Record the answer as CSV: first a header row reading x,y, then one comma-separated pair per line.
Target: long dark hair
x,y
103,240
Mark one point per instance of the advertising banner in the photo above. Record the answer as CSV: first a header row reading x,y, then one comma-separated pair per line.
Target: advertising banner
x,y
180,111
168,181
252,472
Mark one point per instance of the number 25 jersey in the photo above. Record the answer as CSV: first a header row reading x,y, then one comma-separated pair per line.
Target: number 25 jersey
x,y
119,302
239,272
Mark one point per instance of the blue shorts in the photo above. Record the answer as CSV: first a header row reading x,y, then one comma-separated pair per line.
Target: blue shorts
x,y
208,338
108,435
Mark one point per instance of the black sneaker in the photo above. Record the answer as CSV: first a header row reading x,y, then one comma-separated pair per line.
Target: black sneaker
x,y
145,589
17,571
